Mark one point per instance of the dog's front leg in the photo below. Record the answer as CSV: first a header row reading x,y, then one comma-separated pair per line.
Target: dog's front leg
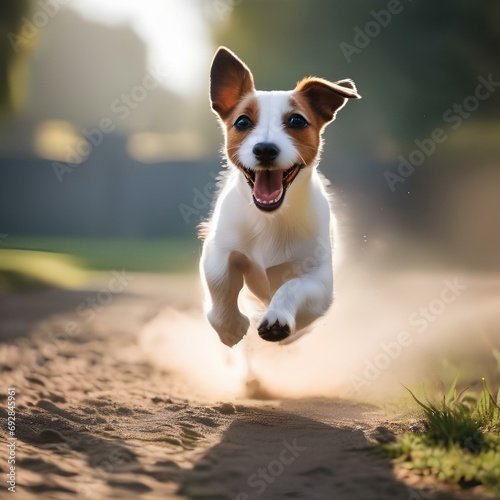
x,y
296,304
223,272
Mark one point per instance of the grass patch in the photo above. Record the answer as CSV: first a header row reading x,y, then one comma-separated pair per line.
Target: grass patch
x,y
461,441
148,255
30,263
22,270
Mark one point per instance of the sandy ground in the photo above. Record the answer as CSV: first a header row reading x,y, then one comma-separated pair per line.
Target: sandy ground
x,y
98,417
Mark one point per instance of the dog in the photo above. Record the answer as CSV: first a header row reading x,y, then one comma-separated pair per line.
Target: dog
x,y
271,226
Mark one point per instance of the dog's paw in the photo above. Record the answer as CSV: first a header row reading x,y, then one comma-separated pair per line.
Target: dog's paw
x,y
274,332
276,326
230,331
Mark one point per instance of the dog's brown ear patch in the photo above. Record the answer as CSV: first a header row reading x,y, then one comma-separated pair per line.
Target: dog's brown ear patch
x,y
326,98
230,80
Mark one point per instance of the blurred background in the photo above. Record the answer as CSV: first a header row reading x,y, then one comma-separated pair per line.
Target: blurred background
x,y
109,151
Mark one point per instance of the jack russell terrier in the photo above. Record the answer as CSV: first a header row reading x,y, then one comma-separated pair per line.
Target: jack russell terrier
x,y
271,229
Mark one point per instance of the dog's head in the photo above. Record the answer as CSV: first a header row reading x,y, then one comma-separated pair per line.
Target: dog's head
x,y
271,136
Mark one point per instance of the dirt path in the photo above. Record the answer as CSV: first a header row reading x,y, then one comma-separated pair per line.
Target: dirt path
x,y
96,420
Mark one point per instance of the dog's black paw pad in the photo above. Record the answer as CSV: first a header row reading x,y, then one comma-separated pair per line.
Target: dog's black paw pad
x,y
273,333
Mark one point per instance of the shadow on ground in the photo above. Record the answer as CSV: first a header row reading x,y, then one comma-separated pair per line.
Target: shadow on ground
x,y
273,454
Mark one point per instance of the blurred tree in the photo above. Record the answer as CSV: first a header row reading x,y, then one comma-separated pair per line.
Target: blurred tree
x,y
410,69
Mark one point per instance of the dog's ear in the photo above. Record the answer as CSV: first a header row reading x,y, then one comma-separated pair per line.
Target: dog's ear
x,y
230,80
326,98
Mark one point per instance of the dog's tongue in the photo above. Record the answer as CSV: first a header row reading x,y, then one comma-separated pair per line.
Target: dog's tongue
x,y
268,185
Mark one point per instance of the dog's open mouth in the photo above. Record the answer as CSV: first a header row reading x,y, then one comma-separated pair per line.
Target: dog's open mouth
x,y
269,186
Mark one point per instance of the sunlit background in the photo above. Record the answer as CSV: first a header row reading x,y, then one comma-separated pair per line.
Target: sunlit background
x,y
109,151
106,128
71,65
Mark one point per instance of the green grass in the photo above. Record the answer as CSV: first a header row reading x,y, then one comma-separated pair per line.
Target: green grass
x,y
27,263
22,270
461,443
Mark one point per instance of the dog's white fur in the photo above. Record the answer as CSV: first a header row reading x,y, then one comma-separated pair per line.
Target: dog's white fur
x,y
284,257
272,106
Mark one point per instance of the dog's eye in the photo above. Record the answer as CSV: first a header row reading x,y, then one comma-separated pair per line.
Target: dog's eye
x,y
243,123
297,121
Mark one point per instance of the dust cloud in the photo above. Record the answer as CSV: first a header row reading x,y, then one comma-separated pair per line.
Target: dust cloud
x,y
385,329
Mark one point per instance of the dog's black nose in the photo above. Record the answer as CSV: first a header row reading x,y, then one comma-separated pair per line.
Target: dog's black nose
x,y
266,152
